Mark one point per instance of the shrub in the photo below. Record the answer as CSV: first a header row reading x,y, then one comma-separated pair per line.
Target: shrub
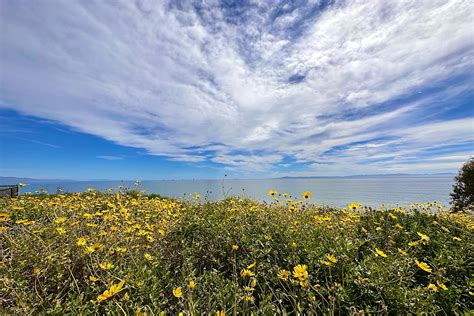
x,y
462,197
100,253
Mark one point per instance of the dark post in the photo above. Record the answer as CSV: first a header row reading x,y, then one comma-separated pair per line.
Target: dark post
x,y
9,190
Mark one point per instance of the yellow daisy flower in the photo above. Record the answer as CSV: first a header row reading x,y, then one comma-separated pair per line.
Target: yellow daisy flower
x,y
177,292
380,252
106,266
114,289
432,287
283,274
272,192
306,195
423,266
246,273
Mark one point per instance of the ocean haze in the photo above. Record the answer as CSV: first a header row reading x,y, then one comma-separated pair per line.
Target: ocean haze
x,y
337,191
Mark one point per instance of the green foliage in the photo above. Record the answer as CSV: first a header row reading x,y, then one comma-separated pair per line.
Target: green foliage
x,y
358,261
462,197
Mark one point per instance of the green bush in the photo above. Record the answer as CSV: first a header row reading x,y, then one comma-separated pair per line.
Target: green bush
x,y
462,197
96,253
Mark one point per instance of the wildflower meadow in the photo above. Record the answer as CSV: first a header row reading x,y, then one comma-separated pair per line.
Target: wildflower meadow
x,y
130,253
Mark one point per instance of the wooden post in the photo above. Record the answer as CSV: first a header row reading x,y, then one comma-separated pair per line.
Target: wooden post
x,y
9,190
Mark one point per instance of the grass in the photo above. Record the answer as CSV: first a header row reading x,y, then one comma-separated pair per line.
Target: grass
x,y
129,253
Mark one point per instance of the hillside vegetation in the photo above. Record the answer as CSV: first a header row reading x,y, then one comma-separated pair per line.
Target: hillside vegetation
x,y
129,253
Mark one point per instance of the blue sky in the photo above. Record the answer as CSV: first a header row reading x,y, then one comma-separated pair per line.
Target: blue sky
x,y
199,89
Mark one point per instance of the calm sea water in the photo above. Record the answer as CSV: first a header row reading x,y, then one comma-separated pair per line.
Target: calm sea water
x,y
372,191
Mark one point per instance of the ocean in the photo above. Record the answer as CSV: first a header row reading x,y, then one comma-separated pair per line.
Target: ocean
x,y
371,191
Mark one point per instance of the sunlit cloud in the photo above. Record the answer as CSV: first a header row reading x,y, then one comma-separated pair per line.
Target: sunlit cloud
x,y
347,87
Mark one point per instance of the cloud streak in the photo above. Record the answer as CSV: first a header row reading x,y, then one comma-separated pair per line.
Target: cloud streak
x,y
105,157
248,86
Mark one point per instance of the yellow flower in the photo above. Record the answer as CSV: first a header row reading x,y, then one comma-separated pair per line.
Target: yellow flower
x,y
192,284
283,275
304,283
380,253
413,243
457,239
272,192
4,217
441,285
121,249
424,238
432,287
177,292
148,256
93,278
294,245
24,222
197,196
114,289
306,195
37,271
423,266
325,262
354,206
60,220
106,266
235,247
60,230
94,247
398,226
331,258
246,273
253,282
300,272
251,265
82,241
401,251
220,313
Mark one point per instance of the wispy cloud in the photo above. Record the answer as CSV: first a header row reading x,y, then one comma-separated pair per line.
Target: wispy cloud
x,y
38,142
110,157
251,85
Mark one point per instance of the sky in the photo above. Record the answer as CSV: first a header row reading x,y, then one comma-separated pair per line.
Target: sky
x,y
253,89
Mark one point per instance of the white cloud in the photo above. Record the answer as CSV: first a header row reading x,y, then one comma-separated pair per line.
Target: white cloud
x,y
161,77
110,157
